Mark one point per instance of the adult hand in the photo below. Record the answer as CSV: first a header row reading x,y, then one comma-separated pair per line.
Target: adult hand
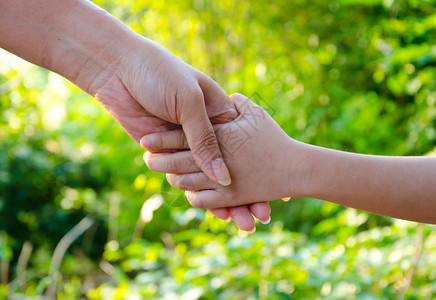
x,y
261,173
142,85
133,113
85,44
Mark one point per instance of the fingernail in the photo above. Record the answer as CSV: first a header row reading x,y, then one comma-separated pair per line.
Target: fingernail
x,y
225,182
220,171
267,221
286,199
252,230
186,194
228,220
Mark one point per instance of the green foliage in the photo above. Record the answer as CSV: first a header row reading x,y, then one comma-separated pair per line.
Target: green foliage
x,y
348,74
215,263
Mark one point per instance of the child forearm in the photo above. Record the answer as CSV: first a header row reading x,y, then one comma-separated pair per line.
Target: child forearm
x,y
400,187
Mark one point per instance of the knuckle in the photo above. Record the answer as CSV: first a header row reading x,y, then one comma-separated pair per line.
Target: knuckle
x,y
206,145
190,95
203,179
195,94
188,100
172,166
181,140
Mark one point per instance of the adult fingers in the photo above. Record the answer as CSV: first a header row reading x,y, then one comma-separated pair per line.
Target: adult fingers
x,y
191,182
177,163
201,199
201,138
220,108
165,140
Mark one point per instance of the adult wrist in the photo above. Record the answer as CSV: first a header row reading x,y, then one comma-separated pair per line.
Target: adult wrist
x,y
87,45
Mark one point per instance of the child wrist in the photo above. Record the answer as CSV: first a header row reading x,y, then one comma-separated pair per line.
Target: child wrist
x,y
299,169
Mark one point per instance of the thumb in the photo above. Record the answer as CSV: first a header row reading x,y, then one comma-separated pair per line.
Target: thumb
x,y
202,140
220,108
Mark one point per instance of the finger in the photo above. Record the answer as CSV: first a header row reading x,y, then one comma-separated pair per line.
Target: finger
x,y
177,163
245,105
201,199
261,211
220,108
208,198
221,213
242,218
166,140
191,182
202,140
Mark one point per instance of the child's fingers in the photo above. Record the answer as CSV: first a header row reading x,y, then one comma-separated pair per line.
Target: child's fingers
x,y
221,213
242,218
261,211
191,182
178,162
158,141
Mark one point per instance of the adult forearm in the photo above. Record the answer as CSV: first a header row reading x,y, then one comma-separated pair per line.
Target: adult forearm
x,y
73,38
401,187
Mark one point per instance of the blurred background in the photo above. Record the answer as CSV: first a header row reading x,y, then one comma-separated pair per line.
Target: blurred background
x,y
82,217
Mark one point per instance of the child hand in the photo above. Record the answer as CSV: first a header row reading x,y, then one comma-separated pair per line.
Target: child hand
x,y
265,164
254,147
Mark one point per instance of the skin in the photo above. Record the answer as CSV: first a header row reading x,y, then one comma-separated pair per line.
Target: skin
x,y
271,165
142,85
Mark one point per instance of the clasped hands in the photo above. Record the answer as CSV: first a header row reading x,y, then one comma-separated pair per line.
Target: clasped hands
x,y
145,88
245,142
226,152
167,105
